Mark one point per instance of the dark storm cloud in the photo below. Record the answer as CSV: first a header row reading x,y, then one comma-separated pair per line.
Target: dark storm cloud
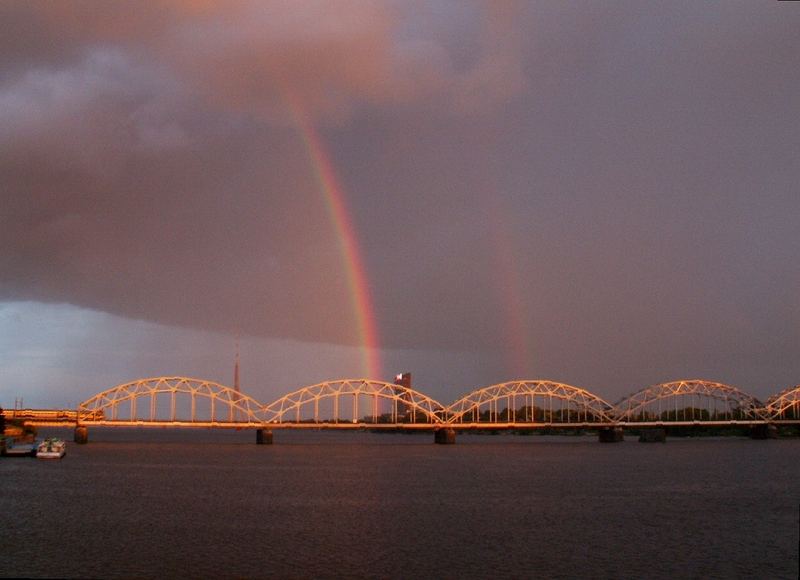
x,y
640,160
154,173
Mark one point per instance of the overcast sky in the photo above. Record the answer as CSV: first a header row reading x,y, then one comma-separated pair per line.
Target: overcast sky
x,y
600,193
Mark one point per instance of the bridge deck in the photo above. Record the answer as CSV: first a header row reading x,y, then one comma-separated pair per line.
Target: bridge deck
x,y
67,417
351,426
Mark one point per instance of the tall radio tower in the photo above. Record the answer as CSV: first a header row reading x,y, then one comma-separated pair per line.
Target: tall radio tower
x,y
236,388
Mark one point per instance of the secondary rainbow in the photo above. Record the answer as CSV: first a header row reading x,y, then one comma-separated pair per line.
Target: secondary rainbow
x,y
355,272
505,264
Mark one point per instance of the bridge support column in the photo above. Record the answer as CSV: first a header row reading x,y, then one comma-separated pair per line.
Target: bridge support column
x,y
657,435
263,436
610,435
763,431
444,436
81,435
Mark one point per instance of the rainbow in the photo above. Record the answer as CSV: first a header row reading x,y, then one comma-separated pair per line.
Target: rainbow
x,y
355,272
519,357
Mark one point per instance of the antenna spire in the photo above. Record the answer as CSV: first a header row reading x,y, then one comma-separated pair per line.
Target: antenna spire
x,y
236,369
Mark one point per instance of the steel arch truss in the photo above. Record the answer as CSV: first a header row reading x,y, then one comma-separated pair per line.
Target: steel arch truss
x,y
179,398
542,402
689,401
354,401
785,405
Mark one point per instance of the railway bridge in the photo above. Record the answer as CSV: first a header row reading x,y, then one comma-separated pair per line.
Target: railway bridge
x,y
349,404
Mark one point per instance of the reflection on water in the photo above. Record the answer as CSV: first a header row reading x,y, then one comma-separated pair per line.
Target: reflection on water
x,y
203,503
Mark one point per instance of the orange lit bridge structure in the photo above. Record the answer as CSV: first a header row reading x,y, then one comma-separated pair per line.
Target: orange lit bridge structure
x,y
350,404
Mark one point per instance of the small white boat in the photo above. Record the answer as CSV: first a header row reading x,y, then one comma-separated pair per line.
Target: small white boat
x,y
51,449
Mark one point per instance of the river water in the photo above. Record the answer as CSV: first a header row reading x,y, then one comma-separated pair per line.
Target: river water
x,y
139,503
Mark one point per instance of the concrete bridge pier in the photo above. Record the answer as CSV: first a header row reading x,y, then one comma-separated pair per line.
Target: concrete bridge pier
x,y
444,436
657,435
81,435
763,431
263,436
610,435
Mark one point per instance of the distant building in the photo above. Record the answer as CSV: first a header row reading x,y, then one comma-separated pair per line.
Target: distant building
x,y
403,408
403,379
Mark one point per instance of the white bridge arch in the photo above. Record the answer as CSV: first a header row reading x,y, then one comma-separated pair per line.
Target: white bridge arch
x,y
785,405
693,400
354,401
170,400
183,401
558,403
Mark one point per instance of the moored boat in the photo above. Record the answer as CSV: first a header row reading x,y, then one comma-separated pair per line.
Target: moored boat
x,y
52,448
16,448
